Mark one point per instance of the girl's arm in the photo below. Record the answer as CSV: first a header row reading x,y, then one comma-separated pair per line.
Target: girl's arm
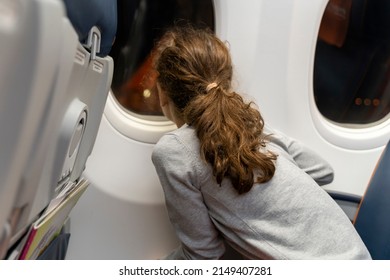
x,y
308,160
188,214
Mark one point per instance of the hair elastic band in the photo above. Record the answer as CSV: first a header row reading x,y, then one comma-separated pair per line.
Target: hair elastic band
x,y
211,86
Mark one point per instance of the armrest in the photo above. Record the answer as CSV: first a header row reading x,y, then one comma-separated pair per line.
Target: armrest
x,y
349,203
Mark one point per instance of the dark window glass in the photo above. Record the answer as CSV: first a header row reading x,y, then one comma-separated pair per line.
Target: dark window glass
x,y
352,62
140,24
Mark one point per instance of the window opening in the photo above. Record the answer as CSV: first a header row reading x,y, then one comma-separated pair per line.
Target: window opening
x,y
352,62
140,24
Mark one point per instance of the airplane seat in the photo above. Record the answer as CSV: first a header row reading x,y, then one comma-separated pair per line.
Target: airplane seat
x,y
372,217
95,22
28,72
83,102
89,13
369,213
53,116
349,203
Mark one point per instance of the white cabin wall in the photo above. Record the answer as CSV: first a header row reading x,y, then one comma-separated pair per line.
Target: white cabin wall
x,y
257,32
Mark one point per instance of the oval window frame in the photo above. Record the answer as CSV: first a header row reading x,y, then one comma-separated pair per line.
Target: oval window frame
x,y
355,137
146,129
142,128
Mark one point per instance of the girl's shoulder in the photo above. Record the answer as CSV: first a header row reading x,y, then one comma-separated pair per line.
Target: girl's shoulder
x,y
183,139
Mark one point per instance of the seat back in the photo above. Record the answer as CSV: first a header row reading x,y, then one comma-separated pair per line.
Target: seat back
x,y
82,89
53,92
28,69
372,217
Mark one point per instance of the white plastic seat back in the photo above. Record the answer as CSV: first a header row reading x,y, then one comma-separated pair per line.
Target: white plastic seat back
x,y
30,43
41,172
81,112
53,93
93,93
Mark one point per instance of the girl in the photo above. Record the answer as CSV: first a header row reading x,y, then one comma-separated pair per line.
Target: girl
x,y
228,178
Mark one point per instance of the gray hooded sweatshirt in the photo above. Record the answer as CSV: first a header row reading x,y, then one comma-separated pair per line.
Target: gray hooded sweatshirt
x,y
288,217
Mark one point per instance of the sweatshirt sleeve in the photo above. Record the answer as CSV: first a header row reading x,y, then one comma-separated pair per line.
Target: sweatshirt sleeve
x,y
306,159
178,174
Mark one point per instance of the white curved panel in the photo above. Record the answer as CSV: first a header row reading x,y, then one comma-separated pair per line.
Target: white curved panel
x,y
372,137
123,168
138,128
122,215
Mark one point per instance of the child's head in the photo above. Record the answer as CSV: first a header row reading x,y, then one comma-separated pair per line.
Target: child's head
x,y
192,62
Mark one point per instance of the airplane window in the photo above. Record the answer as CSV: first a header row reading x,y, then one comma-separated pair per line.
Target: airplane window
x,y
352,62
140,24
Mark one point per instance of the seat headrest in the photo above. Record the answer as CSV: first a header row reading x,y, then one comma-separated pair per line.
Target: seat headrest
x,y
86,14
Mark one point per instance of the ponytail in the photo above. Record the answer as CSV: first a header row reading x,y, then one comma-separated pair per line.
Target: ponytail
x,y
231,138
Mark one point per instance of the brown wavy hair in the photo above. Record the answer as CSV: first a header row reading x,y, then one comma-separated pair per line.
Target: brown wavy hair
x,y
195,71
